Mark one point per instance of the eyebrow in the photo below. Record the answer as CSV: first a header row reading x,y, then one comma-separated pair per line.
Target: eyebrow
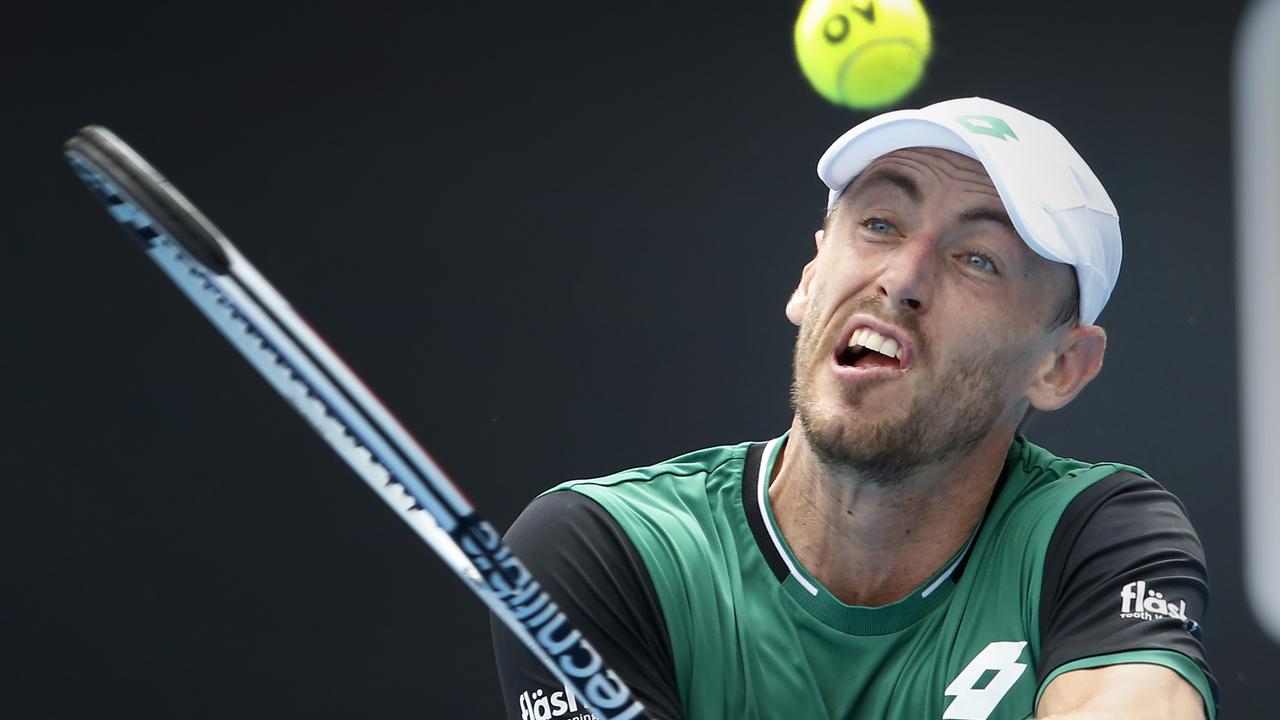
x,y
991,214
889,176
886,176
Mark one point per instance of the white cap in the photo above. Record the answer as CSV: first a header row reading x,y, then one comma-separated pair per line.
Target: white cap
x,y
1056,203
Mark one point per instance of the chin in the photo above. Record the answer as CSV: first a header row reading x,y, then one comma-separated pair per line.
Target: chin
x,y
882,444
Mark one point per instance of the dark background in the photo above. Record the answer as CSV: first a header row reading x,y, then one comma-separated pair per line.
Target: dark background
x,y
557,239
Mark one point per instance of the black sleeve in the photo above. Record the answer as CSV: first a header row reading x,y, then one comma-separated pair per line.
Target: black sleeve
x,y
582,558
1124,571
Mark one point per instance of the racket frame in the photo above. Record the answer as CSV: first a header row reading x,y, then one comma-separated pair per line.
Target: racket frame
x,y
300,365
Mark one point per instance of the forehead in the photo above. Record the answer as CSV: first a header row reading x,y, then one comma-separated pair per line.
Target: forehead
x,y
925,170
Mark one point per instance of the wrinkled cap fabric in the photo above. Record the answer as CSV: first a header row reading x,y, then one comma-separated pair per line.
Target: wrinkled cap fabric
x,y
1056,203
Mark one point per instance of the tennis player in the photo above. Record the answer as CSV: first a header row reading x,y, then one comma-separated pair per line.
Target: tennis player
x,y
902,551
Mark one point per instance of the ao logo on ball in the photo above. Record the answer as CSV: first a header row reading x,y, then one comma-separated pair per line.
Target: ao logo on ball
x,y
836,28
864,54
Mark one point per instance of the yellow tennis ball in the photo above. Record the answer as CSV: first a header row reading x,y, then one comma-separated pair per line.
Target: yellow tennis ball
x,y
863,53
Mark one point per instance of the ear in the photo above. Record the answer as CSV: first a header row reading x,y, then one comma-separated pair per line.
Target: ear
x,y
799,301
1076,359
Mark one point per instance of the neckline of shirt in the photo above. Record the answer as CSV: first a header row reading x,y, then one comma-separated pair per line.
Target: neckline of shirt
x,y
817,601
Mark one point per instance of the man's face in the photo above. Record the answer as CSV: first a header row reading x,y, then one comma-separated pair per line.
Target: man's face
x,y
919,251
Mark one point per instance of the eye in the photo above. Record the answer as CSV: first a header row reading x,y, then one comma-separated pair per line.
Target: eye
x,y
879,225
980,262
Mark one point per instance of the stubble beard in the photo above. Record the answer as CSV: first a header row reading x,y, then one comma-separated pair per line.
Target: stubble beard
x,y
945,419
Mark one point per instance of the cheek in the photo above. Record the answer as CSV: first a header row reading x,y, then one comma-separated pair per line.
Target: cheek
x,y
813,327
844,271
990,360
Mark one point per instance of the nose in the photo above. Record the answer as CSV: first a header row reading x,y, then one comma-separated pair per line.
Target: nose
x,y
907,278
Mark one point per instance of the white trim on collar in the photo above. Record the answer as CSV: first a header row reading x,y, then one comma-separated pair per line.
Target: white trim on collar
x,y
762,483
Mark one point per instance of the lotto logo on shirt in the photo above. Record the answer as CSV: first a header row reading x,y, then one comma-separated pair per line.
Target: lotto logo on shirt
x,y
1142,603
538,705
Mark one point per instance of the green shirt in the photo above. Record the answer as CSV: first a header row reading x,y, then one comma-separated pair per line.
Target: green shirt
x,y
751,634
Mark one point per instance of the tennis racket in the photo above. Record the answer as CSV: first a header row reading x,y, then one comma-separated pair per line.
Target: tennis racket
x,y
259,322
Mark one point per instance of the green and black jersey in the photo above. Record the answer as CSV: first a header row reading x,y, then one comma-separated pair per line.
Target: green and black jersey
x,y
679,576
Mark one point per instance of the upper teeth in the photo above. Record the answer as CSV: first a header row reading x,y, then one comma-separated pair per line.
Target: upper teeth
x,y
872,340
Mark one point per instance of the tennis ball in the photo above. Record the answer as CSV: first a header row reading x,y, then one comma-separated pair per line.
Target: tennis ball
x,y
863,53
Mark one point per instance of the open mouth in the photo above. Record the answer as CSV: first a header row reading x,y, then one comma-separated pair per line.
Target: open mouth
x,y
869,349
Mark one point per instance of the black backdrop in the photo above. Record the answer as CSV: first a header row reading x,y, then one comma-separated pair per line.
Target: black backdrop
x,y
557,240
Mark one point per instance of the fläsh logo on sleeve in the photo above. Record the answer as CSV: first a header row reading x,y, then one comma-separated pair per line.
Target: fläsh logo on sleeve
x,y
542,705
1140,602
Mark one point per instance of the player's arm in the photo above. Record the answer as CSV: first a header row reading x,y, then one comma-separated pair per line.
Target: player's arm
x,y
1117,692
1124,590
590,568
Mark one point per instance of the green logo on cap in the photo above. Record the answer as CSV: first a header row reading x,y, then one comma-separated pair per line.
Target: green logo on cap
x,y
987,125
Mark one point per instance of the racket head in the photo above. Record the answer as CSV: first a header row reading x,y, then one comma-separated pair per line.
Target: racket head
x,y
142,200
